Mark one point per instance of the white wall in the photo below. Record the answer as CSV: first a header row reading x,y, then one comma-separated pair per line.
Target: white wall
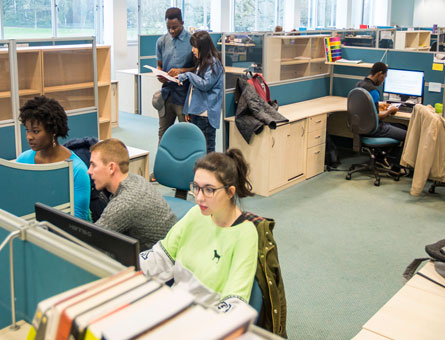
x,y
402,12
429,12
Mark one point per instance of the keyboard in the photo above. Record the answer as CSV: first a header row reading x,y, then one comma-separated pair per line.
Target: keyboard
x,y
405,108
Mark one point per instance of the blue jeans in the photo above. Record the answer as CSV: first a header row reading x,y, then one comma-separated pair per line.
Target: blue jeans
x,y
208,131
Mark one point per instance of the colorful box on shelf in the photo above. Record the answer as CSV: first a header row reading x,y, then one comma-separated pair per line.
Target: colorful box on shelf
x,y
333,48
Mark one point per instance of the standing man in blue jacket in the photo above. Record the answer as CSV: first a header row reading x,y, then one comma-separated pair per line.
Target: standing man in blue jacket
x,y
174,56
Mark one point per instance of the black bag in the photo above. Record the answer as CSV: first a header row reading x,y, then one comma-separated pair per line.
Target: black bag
x,y
437,253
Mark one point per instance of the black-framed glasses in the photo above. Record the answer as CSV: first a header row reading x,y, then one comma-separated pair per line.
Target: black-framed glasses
x,y
206,191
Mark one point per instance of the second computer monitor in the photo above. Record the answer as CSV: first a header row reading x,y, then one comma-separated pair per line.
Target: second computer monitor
x,y
404,83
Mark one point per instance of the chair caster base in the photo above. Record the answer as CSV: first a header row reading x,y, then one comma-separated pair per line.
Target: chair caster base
x,y
377,182
348,177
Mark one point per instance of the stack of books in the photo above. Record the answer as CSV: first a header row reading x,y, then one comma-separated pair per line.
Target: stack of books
x,y
333,48
129,305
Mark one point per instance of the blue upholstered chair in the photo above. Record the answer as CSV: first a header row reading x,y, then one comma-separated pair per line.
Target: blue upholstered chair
x,y
256,298
363,121
181,145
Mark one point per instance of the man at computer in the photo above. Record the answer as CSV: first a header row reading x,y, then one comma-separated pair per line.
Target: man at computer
x,y
370,83
135,208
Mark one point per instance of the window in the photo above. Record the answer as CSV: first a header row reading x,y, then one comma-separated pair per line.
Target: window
x,y
257,15
75,18
27,19
197,14
152,16
318,13
132,20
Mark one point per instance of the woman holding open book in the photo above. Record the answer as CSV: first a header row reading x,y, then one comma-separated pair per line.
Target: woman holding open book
x,y
212,251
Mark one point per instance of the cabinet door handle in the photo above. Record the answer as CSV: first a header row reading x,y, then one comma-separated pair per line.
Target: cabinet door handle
x,y
316,153
273,141
318,121
302,131
317,137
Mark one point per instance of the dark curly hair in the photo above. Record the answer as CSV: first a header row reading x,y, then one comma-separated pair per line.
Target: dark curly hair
x,y
48,112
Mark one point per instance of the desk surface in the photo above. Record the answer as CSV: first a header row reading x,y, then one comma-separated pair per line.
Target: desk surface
x,y
416,311
313,107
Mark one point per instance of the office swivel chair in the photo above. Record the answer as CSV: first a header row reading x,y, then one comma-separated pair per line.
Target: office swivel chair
x,y
363,120
181,145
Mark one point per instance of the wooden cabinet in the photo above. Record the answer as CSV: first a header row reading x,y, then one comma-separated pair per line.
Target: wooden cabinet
x,y
292,152
139,161
289,57
276,157
413,40
114,103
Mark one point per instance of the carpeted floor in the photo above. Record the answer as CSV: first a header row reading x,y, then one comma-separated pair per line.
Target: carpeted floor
x,y
343,245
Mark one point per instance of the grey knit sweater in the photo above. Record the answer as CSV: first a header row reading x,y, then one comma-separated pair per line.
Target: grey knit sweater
x,y
138,210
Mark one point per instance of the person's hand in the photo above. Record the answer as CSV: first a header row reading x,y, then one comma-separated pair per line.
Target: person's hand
x,y
188,119
162,79
383,106
174,72
392,110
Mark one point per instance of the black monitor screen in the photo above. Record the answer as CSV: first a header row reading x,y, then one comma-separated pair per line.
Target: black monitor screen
x,y
122,248
404,82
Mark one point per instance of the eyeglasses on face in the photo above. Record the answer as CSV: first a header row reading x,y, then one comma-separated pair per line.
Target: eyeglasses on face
x,y
206,191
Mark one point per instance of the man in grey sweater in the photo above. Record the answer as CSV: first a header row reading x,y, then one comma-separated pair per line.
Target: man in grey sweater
x,y
135,208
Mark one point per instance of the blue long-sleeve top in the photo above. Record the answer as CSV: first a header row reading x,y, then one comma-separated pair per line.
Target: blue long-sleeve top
x,y
81,179
207,93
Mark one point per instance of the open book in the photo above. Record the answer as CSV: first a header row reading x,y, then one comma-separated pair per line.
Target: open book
x,y
160,73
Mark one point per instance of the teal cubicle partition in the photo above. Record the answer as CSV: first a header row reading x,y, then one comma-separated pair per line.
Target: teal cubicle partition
x,y
7,141
44,264
25,184
345,77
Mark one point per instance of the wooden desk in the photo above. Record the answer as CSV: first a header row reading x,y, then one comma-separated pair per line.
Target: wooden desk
x,y
291,153
139,162
416,311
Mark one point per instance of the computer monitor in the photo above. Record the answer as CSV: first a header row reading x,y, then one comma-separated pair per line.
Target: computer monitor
x,y
404,83
122,248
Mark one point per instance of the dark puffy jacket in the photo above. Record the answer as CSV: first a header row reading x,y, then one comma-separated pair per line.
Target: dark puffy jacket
x,y
252,111
98,199
268,274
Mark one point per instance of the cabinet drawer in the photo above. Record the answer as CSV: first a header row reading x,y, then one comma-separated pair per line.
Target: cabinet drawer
x,y
138,166
315,160
316,138
317,122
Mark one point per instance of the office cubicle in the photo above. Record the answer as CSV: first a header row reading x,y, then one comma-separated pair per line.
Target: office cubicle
x,y
44,264
33,67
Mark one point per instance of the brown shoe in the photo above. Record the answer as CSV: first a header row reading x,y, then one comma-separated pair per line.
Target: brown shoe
x,y
152,178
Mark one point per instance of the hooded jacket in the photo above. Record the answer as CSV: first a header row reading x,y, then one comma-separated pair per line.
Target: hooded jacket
x,y
252,111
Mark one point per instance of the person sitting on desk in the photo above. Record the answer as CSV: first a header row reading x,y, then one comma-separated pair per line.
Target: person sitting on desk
x,y
45,121
396,131
135,208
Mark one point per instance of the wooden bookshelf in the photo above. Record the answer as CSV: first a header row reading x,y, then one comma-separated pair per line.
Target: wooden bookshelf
x,y
413,40
289,57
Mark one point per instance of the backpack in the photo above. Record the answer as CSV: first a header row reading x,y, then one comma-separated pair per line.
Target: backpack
x,y
262,88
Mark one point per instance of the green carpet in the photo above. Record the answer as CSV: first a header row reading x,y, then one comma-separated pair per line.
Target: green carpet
x,y
343,245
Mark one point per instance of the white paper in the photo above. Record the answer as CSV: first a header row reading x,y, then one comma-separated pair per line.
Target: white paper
x,y
161,73
348,61
434,87
385,35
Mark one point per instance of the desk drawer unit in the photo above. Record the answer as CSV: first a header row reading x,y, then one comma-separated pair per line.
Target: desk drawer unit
x,y
317,122
138,166
316,145
315,160
316,138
